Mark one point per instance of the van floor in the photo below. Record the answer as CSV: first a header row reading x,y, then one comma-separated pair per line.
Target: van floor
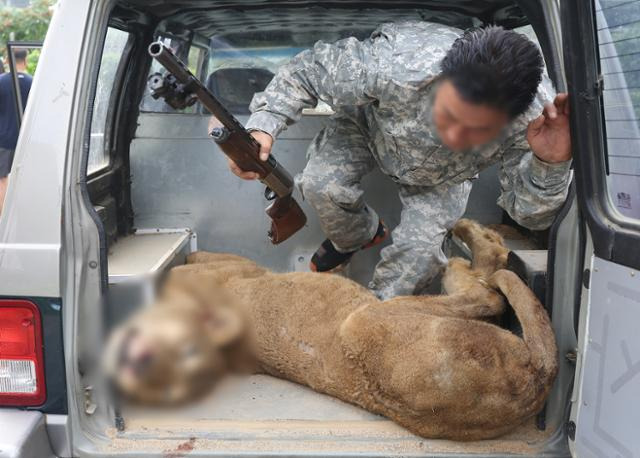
x,y
259,414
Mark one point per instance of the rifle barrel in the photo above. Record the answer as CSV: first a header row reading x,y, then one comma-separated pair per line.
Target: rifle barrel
x,y
176,67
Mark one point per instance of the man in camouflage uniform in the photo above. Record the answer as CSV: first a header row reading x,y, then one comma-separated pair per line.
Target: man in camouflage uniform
x,y
431,107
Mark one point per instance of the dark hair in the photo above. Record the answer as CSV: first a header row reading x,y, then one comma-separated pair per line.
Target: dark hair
x,y
496,67
20,54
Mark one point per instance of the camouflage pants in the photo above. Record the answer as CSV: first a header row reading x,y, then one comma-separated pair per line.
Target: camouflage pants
x,y
338,158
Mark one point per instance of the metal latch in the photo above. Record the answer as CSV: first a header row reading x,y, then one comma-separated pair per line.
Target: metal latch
x,y
599,86
89,406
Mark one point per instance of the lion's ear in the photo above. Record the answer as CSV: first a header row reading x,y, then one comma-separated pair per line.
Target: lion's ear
x,y
224,325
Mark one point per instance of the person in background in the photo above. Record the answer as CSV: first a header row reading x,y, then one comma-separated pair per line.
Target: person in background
x,y
9,118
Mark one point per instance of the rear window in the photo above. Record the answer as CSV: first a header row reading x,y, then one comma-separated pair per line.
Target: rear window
x,y
242,64
618,25
244,49
239,64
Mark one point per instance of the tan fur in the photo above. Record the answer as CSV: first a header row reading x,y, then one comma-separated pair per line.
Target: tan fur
x,y
429,363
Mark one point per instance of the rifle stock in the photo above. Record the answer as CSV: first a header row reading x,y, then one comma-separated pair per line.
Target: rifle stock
x,y
180,89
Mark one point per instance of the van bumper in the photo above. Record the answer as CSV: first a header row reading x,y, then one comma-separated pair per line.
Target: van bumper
x,y
23,434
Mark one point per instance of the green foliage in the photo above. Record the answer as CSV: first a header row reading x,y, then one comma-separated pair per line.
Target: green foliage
x,y
32,61
27,24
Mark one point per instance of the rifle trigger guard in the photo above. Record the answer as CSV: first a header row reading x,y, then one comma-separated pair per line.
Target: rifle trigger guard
x,y
269,194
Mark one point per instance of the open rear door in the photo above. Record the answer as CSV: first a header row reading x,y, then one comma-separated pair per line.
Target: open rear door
x,y
602,60
31,55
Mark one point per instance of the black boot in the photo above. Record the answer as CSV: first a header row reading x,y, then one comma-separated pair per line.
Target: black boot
x,y
328,258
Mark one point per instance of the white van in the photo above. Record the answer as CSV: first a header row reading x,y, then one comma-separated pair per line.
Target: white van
x,y
110,188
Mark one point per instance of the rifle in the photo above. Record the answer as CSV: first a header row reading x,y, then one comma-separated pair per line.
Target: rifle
x,y
180,89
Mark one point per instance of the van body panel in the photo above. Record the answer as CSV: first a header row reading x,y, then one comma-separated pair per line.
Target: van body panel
x,y
23,434
30,241
59,434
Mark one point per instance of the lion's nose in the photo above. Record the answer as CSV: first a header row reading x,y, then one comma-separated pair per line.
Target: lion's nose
x,y
135,354
141,363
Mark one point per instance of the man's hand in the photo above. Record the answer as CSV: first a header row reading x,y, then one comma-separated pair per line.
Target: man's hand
x,y
266,141
548,134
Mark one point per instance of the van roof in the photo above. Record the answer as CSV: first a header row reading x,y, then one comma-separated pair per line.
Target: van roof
x,y
209,17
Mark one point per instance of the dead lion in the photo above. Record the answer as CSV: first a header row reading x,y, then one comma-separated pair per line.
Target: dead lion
x,y
431,363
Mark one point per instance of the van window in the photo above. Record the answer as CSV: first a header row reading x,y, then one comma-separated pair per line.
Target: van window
x,y
114,44
618,25
241,63
196,59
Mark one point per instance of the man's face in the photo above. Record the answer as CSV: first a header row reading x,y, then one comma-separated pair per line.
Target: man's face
x,y
462,125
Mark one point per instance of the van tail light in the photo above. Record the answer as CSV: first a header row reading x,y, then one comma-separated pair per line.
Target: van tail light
x,y
21,360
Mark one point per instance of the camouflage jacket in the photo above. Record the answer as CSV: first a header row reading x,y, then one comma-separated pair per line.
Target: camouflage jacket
x,y
389,80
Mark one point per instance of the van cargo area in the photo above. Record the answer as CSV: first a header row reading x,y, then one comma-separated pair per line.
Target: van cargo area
x,y
158,188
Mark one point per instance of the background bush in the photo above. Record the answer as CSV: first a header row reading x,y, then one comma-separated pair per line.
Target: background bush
x,y
26,24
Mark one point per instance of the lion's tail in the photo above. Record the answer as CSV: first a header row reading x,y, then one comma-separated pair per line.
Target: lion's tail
x,y
536,326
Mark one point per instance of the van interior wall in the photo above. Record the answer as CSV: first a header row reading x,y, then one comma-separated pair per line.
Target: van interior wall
x,y
181,179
